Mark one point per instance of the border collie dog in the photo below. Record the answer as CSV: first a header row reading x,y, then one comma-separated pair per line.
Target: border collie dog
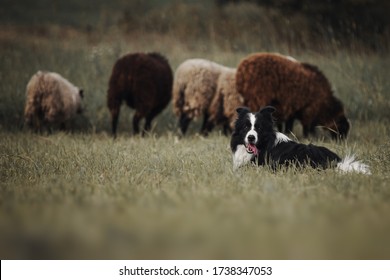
x,y
255,140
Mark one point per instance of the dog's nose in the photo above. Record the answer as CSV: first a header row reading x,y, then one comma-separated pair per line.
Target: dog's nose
x,y
251,138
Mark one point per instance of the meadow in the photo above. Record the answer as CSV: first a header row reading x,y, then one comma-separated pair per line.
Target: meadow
x,y
84,195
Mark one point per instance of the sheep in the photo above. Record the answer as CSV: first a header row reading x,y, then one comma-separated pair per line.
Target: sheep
x,y
51,101
222,110
144,81
194,87
297,90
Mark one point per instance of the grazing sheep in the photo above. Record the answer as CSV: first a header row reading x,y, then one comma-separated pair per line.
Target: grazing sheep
x,y
297,90
193,90
51,101
144,82
222,110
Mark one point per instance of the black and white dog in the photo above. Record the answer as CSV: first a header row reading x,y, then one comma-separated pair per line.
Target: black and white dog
x,y
255,140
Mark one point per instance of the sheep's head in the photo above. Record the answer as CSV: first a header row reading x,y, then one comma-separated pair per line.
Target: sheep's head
x,y
337,125
340,127
334,118
79,105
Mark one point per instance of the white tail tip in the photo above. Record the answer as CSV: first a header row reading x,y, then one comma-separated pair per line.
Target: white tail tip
x,y
350,164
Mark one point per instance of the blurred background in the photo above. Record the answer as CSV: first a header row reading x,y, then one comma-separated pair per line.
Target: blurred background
x,y
229,24
347,39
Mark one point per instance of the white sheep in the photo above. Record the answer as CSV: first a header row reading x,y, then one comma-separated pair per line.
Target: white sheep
x,y
222,110
194,87
51,100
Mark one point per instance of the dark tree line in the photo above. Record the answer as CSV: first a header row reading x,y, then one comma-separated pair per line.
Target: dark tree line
x,y
342,19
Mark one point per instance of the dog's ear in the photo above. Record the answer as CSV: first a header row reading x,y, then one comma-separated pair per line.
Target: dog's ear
x,y
266,114
267,110
241,110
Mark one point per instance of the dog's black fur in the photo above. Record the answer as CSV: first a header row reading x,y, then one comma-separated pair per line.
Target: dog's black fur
x,y
274,148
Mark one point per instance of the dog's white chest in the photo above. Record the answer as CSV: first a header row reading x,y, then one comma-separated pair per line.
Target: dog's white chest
x,y
241,157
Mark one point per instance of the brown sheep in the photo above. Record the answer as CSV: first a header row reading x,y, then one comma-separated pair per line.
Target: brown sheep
x,y
144,82
297,90
51,101
222,110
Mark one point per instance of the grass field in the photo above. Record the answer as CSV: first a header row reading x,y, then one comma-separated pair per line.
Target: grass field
x,y
84,195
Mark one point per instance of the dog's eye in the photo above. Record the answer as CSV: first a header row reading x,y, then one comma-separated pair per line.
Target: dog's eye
x,y
247,124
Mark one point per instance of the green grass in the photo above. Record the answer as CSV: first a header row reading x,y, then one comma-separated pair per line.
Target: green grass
x,y
87,196
84,195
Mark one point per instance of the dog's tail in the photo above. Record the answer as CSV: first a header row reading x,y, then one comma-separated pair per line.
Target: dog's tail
x,y
350,164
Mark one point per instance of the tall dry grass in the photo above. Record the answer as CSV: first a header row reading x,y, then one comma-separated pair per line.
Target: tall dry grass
x,y
84,195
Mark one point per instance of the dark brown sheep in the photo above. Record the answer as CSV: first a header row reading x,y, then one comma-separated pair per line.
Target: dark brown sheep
x,y
297,90
144,82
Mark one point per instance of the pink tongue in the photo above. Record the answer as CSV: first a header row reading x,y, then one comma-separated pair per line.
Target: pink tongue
x,y
252,148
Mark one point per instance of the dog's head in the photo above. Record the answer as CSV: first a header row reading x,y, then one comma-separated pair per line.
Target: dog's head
x,y
250,127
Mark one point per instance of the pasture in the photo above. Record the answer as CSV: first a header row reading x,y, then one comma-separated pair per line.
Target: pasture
x,y
83,195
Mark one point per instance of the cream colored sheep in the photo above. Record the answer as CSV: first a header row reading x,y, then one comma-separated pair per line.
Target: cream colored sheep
x,y
194,87
51,101
222,110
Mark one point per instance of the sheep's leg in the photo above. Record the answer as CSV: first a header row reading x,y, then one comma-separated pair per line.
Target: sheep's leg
x,y
38,122
62,126
307,129
289,125
226,129
114,105
45,126
149,119
136,119
148,124
36,125
184,122
313,130
114,120
207,125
